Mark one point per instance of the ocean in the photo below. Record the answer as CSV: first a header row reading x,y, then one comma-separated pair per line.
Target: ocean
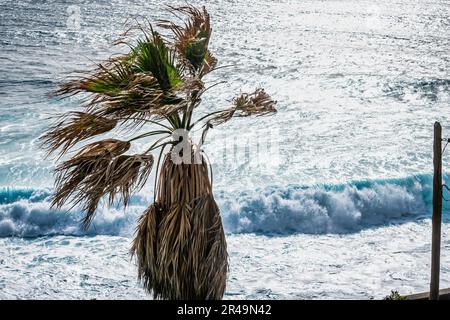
x,y
338,207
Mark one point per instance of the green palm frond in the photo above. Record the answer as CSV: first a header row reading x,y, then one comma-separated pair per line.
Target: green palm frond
x,y
152,55
142,99
108,79
140,85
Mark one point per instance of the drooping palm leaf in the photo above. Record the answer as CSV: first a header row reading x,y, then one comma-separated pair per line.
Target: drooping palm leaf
x,y
90,159
127,174
101,169
73,128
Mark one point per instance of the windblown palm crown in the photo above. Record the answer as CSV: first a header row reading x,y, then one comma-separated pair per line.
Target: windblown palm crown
x,y
153,91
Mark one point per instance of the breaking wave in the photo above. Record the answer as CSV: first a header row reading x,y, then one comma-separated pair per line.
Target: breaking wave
x,y
316,209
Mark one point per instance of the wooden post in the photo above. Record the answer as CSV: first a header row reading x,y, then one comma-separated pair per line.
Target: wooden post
x,y
437,212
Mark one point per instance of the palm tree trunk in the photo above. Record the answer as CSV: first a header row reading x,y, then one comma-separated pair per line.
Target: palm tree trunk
x,y
180,242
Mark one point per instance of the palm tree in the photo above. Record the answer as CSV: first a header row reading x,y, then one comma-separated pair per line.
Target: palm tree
x,y
153,91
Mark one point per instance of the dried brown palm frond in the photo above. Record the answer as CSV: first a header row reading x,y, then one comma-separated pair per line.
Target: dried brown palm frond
x,y
190,85
91,158
99,169
180,244
127,174
70,176
90,178
209,64
106,147
191,40
258,103
210,263
74,127
145,247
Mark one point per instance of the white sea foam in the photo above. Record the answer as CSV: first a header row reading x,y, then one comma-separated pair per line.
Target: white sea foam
x,y
358,89
319,210
292,209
